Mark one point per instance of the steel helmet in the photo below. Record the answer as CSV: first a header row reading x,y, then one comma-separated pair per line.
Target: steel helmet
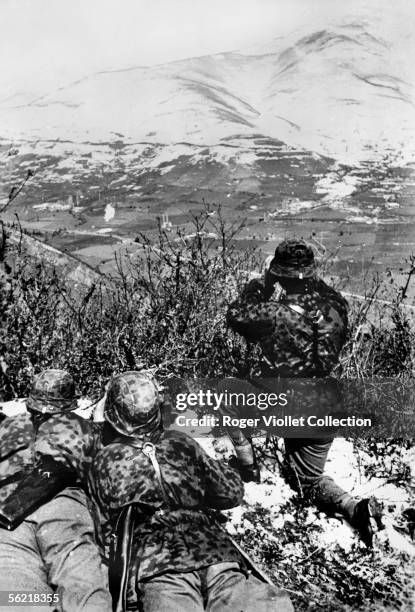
x,y
52,392
132,404
293,259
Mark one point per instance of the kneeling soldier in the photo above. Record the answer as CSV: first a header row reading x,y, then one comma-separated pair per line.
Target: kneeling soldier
x,y
300,333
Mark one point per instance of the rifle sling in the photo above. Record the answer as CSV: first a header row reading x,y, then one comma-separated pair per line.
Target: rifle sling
x,y
150,451
314,321
14,451
123,545
13,478
124,534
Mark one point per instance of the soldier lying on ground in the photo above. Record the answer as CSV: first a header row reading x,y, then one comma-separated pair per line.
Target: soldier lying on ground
x,y
301,333
47,538
156,488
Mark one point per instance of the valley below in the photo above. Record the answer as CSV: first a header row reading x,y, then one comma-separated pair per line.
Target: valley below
x,y
95,203
309,136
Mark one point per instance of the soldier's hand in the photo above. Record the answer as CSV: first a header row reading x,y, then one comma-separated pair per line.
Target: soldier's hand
x,y
272,287
254,291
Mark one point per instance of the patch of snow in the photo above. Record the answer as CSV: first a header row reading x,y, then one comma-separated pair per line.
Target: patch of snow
x,y
336,532
85,408
109,212
297,206
273,492
13,407
336,188
362,219
343,465
52,206
396,540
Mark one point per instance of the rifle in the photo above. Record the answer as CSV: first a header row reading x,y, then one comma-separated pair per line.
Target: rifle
x,y
120,557
122,539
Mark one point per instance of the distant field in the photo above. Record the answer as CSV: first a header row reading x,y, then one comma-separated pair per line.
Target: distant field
x,y
361,217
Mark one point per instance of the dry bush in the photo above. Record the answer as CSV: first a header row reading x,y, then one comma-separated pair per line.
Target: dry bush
x,y
165,308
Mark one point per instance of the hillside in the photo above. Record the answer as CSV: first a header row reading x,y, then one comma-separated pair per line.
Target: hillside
x,y
170,316
313,89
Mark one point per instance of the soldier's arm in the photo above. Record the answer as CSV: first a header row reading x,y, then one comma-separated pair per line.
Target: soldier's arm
x,y
256,292
223,485
15,435
253,321
70,440
334,298
339,304
343,310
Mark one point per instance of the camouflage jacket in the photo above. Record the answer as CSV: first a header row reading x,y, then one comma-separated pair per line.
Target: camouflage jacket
x,y
300,334
68,438
180,536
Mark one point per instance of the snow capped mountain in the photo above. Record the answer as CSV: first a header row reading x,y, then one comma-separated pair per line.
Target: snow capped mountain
x,y
343,91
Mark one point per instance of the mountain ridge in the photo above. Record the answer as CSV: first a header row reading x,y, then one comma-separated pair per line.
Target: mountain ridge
x,y
335,91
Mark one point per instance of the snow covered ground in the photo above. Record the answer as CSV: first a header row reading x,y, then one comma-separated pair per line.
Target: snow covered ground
x,y
273,492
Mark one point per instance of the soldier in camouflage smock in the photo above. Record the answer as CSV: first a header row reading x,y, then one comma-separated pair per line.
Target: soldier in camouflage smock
x,y
48,427
181,558
301,334
53,550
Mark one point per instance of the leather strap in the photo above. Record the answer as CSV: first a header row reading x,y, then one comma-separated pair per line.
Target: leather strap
x,y
150,451
298,309
13,478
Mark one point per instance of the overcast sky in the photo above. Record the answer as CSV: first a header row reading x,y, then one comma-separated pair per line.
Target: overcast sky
x,y
48,43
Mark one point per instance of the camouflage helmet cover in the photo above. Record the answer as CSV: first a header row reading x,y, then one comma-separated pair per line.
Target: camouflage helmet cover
x,y
52,392
293,259
132,404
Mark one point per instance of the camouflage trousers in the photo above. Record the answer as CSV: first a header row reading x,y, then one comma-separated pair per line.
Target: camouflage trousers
x,y
221,587
54,552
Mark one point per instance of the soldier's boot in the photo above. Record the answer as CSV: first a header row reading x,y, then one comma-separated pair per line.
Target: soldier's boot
x,y
364,515
409,516
245,461
367,519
